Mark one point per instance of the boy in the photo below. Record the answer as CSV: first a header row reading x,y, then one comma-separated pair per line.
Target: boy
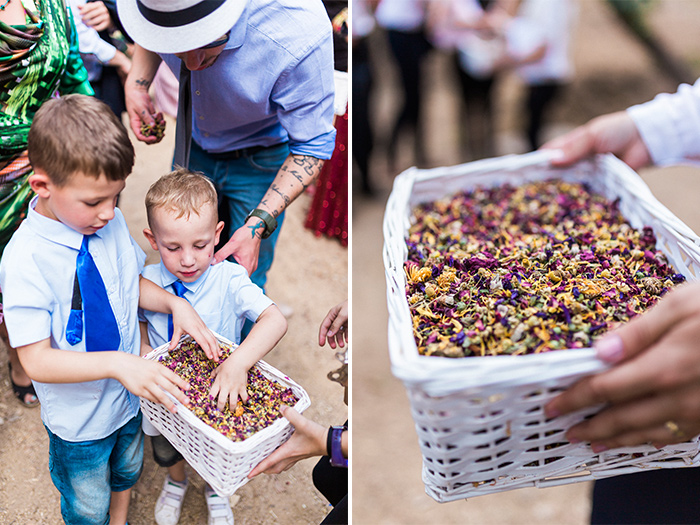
x,y
71,291
183,226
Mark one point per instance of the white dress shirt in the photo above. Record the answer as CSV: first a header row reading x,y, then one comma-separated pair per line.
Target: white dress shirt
x,y
224,297
36,276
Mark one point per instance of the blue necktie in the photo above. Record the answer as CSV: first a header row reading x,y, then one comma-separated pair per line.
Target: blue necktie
x,y
90,306
180,292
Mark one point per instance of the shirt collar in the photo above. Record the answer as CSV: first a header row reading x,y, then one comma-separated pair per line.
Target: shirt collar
x,y
168,279
238,31
53,230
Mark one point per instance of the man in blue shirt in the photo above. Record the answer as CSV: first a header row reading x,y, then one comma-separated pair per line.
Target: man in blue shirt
x,y
261,74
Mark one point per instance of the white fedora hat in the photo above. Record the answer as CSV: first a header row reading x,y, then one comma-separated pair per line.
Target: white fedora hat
x,y
176,26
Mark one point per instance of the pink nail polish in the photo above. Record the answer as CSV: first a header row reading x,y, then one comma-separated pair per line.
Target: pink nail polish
x,y
598,447
610,348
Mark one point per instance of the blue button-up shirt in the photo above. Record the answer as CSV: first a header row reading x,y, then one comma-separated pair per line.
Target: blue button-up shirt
x,y
36,276
273,82
224,297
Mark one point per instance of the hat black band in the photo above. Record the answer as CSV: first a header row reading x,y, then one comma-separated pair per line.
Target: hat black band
x,y
181,17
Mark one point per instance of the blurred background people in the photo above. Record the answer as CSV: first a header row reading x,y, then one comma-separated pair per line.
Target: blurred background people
x,y
404,23
539,48
103,49
362,134
460,28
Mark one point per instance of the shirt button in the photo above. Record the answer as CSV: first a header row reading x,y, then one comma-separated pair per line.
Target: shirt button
x,y
201,117
206,134
196,92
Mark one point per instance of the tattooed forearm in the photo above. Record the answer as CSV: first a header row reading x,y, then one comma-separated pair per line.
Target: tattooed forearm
x,y
256,229
305,182
281,193
295,175
142,82
311,165
265,205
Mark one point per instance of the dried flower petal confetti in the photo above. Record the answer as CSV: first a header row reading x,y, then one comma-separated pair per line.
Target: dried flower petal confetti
x,y
516,270
264,396
156,130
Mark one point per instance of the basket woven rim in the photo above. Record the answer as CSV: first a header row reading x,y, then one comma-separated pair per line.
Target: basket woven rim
x,y
237,447
420,371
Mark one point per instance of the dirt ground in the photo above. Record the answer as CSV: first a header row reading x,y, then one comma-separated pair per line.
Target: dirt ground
x,y
613,72
310,274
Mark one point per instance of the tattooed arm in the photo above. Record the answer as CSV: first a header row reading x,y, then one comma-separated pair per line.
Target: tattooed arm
x,y
139,105
295,175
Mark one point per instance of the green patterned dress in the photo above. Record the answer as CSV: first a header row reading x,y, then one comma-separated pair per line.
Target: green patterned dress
x,y
37,61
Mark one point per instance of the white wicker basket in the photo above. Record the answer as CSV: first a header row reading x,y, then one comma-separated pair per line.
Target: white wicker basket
x,y
480,420
222,463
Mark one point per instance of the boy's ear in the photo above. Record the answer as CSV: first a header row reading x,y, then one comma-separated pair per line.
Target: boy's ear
x,y
151,238
40,183
219,228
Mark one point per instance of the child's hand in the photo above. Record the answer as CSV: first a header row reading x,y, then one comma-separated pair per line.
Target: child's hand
x,y
230,383
334,327
150,380
186,321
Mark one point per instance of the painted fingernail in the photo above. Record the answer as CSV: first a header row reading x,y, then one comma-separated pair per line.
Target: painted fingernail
x,y
610,348
598,447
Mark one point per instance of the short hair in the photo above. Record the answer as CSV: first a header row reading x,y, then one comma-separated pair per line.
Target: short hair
x,y
183,191
78,133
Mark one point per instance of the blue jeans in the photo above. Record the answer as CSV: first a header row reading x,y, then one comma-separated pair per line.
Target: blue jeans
x,y
87,472
244,182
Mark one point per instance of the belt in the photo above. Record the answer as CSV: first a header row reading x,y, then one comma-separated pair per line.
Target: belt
x,y
240,153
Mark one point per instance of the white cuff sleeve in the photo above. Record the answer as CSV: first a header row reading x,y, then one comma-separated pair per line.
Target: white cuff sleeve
x,y
670,125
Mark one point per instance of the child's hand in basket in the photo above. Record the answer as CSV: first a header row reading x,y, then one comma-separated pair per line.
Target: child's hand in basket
x,y
230,380
231,377
187,321
653,389
151,380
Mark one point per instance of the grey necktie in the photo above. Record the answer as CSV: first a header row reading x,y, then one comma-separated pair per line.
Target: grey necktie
x,y
183,131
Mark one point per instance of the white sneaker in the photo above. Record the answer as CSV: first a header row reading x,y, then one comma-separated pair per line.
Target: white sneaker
x,y
220,512
169,502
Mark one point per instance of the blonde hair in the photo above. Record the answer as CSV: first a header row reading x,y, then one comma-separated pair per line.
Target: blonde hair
x,y
78,133
183,191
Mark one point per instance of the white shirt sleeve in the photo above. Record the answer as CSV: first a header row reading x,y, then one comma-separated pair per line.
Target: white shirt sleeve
x,y
89,41
670,125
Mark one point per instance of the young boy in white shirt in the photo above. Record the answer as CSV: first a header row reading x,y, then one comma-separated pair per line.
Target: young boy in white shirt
x,y
71,292
183,226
